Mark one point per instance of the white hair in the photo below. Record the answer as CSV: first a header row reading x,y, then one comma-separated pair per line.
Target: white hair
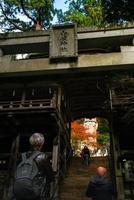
x,y
36,140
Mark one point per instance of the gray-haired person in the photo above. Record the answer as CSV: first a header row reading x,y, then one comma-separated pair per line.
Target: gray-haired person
x,y
37,142
39,189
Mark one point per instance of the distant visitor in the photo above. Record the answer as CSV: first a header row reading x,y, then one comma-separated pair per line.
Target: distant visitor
x,y
85,155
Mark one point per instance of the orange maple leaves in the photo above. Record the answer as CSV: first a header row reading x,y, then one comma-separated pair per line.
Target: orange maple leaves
x,y
79,131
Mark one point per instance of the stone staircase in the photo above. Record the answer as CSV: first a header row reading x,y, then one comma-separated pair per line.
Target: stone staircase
x,y
73,187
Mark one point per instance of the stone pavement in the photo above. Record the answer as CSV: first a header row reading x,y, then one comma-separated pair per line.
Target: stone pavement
x,y
73,187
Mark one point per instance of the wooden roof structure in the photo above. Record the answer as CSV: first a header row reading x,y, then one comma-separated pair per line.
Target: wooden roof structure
x,y
87,79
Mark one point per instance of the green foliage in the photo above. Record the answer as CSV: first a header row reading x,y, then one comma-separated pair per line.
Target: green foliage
x,y
98,13
118,11
23,15
103,139
82,12
103,125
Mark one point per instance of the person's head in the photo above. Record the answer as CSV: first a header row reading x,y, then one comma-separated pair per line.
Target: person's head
x,y
36,141
101,171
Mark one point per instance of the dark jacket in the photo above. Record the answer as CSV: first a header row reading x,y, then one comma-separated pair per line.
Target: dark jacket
x,y
45,171
41,184
85,151
44,165
100,188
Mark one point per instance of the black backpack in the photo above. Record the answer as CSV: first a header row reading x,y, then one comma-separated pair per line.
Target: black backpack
x,y
28,184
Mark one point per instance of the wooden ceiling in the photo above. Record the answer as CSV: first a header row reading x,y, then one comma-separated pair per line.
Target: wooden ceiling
x,y
87,96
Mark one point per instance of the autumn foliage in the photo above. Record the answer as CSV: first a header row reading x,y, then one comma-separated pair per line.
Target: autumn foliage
x,y
84,134
78,131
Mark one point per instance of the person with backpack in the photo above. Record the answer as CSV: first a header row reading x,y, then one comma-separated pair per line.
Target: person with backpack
x,y
33,173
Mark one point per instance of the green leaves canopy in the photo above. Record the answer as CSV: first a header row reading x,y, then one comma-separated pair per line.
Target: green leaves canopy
x,y
82,12
118,11
23,15
98,13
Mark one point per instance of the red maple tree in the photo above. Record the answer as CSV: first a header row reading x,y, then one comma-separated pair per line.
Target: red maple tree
x,y
78,131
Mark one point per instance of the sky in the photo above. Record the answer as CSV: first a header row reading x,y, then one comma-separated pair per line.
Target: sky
x,y
60,4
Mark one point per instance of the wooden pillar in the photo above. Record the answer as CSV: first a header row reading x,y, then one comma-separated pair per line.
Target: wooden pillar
x,y
59,99
117,167
56,166
115,158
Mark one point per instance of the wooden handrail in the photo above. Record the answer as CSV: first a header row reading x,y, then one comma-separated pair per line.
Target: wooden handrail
x,y
32,103
30,100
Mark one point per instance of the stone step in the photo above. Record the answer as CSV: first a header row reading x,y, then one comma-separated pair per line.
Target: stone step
x,y
75,198
74,185
68,197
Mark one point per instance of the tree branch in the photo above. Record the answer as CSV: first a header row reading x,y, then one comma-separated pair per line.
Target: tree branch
x,y
9,20
23,8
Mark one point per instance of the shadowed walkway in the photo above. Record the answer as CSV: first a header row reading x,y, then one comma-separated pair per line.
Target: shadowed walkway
x,y
74,185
